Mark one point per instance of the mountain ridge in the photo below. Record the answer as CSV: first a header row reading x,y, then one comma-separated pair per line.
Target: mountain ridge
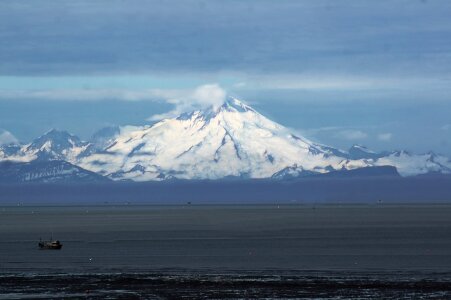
x,y
39,171
228,141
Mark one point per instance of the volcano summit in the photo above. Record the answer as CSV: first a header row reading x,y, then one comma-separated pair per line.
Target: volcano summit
x,y
231,140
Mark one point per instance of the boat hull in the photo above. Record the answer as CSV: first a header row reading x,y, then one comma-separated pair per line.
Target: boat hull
x,y
49,246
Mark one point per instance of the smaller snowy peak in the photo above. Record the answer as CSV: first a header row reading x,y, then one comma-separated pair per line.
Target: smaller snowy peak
x,y
56,140
362,152
409,164
53,145
56,144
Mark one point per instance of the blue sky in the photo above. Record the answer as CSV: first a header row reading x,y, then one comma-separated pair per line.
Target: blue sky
x,y
376,73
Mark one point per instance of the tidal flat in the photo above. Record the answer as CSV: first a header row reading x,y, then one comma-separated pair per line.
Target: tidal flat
x,y
245,245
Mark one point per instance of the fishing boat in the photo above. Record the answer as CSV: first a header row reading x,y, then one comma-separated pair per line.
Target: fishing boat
x,y
50,245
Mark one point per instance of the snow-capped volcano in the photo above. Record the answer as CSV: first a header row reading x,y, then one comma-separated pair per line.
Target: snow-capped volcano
x,y
230,140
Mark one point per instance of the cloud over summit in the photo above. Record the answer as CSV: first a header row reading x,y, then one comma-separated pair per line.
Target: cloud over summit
x,y
208,95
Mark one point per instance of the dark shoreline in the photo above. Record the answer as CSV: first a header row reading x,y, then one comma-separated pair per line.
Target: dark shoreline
x,y
189,285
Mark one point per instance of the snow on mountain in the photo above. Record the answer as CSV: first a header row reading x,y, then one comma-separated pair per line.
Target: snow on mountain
x,y
362,152
406,163
294,171
98,141
8,150
53,145
103,137
410,165
45,171
230,140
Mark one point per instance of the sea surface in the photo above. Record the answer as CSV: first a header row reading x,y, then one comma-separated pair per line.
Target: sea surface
x,y
227,251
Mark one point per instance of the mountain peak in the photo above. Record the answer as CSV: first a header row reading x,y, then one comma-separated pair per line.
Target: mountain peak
x,y
55,144
234,104
58,136
226,140
55,131
358,147
230,104
232,140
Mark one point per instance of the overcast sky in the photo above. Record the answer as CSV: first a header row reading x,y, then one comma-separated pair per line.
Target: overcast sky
x,y
376,73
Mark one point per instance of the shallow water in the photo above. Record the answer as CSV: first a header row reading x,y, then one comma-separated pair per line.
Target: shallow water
x,y
234,240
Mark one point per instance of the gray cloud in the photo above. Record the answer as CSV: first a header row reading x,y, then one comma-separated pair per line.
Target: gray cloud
x,y
98,37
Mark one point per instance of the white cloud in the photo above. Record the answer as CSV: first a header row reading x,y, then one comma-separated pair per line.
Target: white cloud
x,y
209,95
201,97
446,127
385,136
7,137
351,134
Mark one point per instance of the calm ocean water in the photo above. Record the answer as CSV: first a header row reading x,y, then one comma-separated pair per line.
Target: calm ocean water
x,y
243,244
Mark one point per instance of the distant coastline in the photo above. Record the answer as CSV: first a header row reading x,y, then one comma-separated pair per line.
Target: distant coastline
x,y
377,190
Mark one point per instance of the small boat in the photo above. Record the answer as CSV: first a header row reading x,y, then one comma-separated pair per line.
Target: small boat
x,y
50,245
